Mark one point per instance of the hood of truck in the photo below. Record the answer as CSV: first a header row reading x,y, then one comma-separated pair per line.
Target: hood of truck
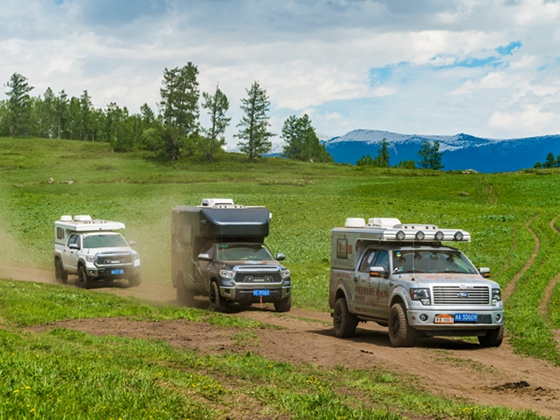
x,y
112,250
431,279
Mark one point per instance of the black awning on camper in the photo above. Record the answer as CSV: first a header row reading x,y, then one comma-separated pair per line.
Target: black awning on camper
x,y
236,223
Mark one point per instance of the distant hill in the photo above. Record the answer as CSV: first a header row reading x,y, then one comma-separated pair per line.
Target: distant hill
x,y
461,151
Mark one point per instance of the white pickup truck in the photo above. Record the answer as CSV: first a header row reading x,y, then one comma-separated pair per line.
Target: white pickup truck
x,y
94,251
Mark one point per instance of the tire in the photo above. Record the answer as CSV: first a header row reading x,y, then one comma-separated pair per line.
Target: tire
x,y
493,338
184,294
59,271
135,280
84,281
344,322
400,333
217,302
283,305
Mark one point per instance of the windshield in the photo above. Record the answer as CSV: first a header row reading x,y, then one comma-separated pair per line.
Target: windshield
x,y
237,252
431,261
104,241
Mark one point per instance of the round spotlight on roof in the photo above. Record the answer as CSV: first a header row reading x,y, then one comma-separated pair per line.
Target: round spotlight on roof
x,y
419,236
400,235
439,235
458,236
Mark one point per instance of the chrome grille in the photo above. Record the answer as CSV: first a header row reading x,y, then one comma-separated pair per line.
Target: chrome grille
x,y
455,295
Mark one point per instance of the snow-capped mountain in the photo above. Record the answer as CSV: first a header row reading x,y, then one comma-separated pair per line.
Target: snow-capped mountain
x,y
461,151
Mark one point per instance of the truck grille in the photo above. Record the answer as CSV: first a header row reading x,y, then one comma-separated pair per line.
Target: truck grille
x,y
114,259
257,276
454,295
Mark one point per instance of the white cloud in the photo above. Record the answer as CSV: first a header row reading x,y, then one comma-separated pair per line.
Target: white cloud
x,y
396,65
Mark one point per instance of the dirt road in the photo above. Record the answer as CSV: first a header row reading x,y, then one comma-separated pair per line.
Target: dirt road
x,y
454,368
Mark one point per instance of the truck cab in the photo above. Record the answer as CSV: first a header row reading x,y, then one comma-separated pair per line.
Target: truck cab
x,y
218,252
405,278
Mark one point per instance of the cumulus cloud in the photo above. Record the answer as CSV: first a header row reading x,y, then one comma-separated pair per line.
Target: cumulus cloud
x,y
435,66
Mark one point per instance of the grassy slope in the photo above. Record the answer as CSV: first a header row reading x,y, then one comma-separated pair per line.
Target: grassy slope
x,y
307,201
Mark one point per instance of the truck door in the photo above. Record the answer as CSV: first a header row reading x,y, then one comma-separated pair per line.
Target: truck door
x,y
383,285
364,292
69,255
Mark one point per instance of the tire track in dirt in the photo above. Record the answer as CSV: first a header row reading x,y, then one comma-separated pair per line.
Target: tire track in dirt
x,y
547,296
488,191
510,287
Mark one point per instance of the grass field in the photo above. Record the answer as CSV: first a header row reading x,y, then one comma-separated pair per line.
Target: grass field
x,y
511,217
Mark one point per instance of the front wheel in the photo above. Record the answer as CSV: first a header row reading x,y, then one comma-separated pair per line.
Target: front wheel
x,y
344,322
400,333
283,305
217,302
84,281
493,338
59,271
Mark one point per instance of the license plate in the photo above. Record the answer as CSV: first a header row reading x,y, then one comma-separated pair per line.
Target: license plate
x,y
443,319
261,292
115,272
466,318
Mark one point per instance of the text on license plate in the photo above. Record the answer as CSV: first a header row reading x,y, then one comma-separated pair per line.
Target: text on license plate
x,y
115,272
466,317
261,292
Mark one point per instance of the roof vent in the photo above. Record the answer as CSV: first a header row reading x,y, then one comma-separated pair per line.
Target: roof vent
x,y
354,222
211,202
384,222
66,218
82,218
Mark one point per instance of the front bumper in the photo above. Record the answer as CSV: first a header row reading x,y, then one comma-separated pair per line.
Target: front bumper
x,y
446,319
116,272
244,294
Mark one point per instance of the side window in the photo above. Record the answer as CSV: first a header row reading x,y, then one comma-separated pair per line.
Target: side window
x,y
367,261
59,233
74,239
382,260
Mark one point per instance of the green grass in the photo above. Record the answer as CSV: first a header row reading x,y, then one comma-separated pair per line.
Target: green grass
x,y
306,200
64,373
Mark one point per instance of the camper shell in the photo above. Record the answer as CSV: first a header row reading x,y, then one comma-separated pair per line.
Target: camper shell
x,y
405,277
218,251
94,250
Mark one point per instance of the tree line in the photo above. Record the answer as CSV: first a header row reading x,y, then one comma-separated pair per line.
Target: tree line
x,y
429,157
550,162
173,131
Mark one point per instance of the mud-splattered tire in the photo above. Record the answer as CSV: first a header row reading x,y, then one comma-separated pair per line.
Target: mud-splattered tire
x,y
59,271
344,322
84,281
493,338
217,302
283,305
400,333
184,295
135,280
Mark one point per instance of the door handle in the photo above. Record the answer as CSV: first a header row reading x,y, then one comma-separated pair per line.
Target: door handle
x,y
356,279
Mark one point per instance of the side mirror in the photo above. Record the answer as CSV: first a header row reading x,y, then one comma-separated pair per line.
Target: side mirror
x,y
204,257
132,243
280,257
74,246
377,272
484,272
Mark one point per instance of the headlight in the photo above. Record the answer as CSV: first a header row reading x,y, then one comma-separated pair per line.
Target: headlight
x,y
135,256
285,273
496,296
226,274
423,295
90,258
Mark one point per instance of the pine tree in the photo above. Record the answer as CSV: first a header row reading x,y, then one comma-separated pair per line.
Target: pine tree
x,y
302,142
19,105
383,156
430,156
179,109
217,106
254,124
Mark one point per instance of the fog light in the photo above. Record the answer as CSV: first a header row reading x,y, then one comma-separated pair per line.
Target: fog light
x,y
458,236
400,235
423,317
419,235
439,235
498,318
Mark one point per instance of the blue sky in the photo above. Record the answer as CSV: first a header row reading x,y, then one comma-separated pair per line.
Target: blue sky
x,y
488,68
